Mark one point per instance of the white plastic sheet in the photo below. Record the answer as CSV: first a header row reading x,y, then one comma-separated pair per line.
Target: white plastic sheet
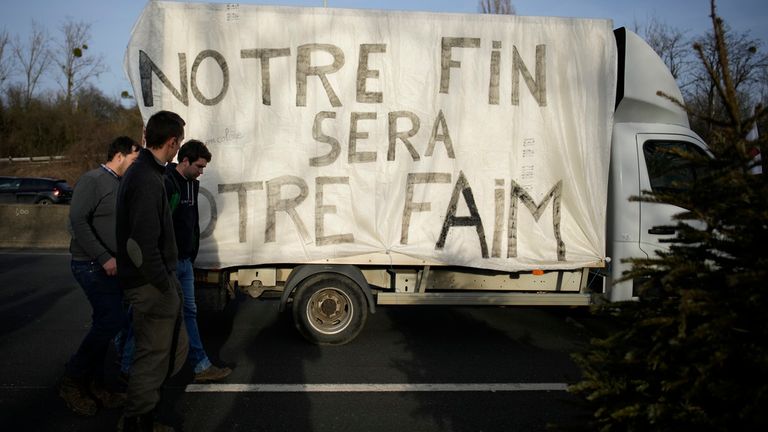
x,y
470,140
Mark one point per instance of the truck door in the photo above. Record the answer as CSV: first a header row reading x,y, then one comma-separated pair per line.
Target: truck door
x,y
663,170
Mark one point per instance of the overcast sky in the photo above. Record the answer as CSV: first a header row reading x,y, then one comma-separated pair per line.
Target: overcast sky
x,y
112,20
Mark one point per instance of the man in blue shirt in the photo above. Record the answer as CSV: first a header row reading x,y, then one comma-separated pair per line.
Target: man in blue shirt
x,y
94,247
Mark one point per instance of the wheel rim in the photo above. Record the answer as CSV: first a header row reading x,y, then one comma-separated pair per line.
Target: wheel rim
x,y
329,311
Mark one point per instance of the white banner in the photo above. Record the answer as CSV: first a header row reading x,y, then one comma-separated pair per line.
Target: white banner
x,y
470,140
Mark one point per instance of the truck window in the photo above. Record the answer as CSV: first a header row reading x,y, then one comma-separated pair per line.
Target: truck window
x,y
668,169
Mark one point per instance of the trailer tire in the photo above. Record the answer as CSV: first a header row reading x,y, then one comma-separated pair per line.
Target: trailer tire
x,y
329,309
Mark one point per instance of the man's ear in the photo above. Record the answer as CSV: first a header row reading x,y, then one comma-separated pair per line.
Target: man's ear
x,y
169,142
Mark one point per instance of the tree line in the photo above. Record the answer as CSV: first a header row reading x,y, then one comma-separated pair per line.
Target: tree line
x,y
76,119
688,56
683,52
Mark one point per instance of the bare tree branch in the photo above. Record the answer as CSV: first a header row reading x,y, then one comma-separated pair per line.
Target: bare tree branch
x,y
76,67
501,7
34,58
5,61
746,69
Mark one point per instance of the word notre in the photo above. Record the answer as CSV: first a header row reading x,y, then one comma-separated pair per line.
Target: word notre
x,y
305,69
297,191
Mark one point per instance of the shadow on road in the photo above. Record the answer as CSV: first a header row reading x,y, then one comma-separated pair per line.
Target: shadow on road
x,y
505,345
272,352
29,296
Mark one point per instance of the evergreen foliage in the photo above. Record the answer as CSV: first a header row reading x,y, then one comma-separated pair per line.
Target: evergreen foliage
x,y
692,353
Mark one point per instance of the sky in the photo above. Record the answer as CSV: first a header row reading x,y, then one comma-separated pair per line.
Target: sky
x,y
112,20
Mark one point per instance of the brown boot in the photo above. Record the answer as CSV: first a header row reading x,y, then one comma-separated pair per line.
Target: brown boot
x,y
106,398
76,397
212,374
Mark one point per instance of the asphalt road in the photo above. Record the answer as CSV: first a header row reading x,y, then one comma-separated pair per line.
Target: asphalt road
x,y
487,361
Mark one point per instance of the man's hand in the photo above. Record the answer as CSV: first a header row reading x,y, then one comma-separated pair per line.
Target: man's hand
x,y
110,266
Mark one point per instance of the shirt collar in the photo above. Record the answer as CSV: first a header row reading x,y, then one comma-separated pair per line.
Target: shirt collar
x,y
109,170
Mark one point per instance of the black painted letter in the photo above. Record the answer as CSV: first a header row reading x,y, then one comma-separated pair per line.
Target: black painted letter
x,y
304,68
265,55
363,74
410,206
321,210
147,67
242,201
319,136
215,55
555,195
451,220
446,63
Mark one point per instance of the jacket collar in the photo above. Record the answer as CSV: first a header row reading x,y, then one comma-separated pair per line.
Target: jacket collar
x,y
146,156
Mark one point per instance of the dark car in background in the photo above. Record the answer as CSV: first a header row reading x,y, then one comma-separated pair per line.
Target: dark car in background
x,y
34,190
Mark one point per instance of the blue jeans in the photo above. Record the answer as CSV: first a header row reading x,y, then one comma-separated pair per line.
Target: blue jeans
x,y
197,356
108,318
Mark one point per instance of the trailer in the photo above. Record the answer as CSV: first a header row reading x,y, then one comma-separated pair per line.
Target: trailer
x,y
367,158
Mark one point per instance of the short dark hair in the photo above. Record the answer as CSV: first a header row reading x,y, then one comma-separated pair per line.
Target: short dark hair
x,y
122,144
194,150
162,126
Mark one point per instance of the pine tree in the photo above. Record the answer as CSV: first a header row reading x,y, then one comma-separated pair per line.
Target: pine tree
x,y
692,353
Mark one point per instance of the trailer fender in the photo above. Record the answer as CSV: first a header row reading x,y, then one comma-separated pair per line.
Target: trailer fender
x,y
304,271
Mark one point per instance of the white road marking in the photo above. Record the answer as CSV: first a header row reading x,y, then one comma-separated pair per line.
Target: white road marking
x,y
373,388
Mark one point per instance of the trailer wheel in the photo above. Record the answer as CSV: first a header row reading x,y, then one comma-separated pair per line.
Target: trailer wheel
x,y
329,309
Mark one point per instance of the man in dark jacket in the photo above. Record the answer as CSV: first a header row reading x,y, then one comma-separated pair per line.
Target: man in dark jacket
x,y
182,187
146,268
93,247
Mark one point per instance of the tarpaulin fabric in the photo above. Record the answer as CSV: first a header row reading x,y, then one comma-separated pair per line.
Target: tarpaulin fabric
x,y
468,140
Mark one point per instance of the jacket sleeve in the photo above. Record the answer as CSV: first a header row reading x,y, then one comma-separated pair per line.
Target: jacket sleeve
x,y
145,220
85,199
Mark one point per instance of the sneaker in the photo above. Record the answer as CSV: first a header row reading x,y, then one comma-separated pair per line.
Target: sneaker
x,y
107,398
76,397
213,373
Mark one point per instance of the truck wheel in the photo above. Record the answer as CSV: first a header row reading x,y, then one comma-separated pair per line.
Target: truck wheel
x,y
329,309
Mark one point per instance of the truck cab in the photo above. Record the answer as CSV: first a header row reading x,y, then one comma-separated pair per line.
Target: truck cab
x,y
646,125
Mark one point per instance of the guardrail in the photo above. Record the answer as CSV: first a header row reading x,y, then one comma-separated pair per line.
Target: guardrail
x,y
34,226
11,159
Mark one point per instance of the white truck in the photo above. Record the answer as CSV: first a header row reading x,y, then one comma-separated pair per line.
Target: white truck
x,y
365,158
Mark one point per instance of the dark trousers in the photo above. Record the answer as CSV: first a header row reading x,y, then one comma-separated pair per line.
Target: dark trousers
x,y
158,328
108,318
